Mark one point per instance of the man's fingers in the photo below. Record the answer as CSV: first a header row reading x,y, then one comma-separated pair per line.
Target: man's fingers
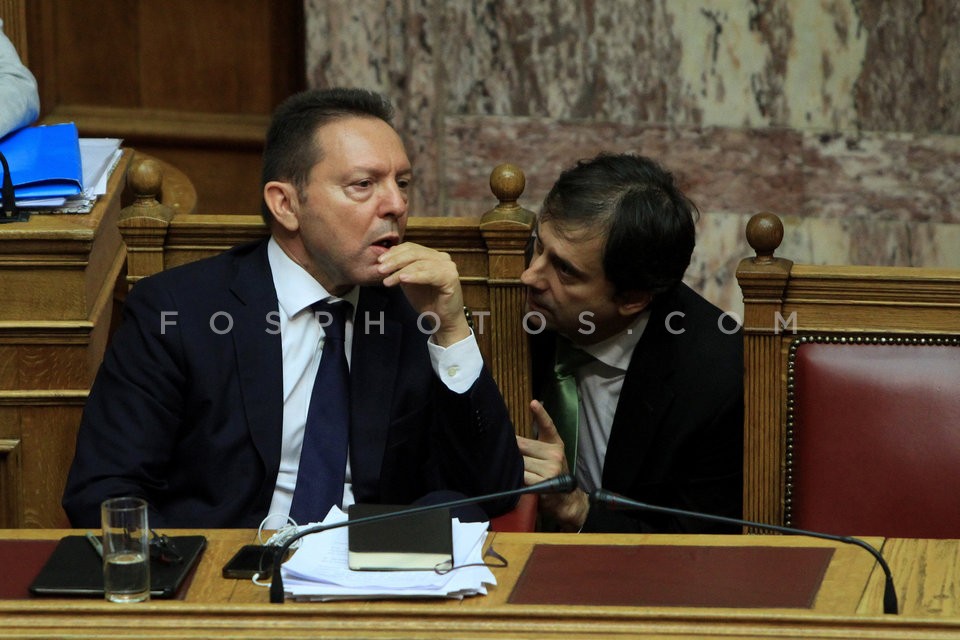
x,y
529,478
431,283
434,273
536,470
408,253
546,430
429,278
541,460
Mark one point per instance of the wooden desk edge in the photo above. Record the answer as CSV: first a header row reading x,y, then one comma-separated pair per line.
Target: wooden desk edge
x,y
471,618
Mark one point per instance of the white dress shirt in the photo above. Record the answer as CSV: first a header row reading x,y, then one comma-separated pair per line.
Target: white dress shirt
x,y
599,383
301,337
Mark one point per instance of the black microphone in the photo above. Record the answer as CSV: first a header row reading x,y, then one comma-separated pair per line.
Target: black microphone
x,y
9,211
564,483
615,501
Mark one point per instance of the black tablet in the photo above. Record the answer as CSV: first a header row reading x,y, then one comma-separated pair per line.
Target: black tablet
x,y
76,569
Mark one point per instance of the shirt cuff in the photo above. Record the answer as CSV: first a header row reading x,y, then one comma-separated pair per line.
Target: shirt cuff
x,y
458,365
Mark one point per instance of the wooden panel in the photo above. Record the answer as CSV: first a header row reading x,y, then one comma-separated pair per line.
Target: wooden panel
x,y
49,424
215,45
763,442
14,16
10,498
227,180
90,53
159,127
45,360
58,279
191,81
54,267
182,55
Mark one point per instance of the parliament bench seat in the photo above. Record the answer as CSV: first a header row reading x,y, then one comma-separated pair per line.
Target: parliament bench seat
x,y
852,410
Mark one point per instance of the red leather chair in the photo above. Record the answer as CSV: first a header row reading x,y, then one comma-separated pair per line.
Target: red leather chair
x,y
873,436
523,517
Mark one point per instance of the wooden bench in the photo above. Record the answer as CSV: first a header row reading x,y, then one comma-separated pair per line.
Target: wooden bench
x,y
852,394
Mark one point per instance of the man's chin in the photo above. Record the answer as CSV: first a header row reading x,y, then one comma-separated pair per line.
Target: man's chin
x,y
369,276
536,318
372,281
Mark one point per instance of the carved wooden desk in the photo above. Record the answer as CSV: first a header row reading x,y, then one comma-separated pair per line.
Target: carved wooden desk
x,y
847,604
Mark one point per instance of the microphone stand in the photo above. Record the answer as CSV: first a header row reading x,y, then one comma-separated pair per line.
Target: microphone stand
x,y
561,484
613,500
9,211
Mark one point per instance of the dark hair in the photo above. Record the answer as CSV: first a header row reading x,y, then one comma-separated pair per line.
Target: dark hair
x,y
649,225
290,151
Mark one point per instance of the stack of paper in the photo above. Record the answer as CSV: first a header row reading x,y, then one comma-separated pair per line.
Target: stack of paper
x,y
99,157
318,570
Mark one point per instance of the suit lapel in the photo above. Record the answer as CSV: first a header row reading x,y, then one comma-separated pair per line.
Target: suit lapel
x,y
374,367
644,399
256,335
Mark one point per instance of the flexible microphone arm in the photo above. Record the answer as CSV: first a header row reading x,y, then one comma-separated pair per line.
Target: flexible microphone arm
x,y
616,501
563,483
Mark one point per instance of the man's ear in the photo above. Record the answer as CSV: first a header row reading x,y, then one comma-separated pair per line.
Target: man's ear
x,y
633,302
282,200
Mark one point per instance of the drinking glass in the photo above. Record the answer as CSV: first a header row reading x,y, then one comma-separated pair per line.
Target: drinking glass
x,y
126,550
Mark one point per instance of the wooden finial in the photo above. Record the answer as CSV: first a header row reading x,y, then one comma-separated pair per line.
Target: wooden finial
x,y
507,183
764,234
145,180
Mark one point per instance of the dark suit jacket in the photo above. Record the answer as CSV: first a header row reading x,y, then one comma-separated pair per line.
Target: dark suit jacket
x,y
186,410
677,436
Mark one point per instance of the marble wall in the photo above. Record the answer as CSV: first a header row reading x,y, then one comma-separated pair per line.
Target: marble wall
x,y
839,115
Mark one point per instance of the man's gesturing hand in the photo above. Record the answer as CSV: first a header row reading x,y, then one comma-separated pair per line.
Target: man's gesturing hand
x,y
543,459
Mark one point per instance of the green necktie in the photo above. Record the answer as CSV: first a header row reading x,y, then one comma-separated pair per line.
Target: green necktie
x,y
561,399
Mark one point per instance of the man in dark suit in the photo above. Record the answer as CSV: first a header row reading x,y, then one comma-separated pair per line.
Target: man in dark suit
x,y
658,410
202,405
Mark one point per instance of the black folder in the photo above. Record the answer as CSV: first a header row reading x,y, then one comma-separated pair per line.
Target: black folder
x,y
76,569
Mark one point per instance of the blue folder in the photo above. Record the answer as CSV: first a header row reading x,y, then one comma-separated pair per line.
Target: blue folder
x,y
44,161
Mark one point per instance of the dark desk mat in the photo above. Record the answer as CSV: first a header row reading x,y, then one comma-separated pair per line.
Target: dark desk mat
x,y
24,560
21,561
672,576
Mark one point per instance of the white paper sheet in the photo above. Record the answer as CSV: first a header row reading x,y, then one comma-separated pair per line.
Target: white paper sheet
x,y
319,571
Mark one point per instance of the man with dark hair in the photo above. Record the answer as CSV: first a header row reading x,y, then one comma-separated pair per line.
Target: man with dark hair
x,y
642,378
295,373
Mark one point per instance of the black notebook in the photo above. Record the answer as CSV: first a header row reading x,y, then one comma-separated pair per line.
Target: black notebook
x,y
420,541
76,569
